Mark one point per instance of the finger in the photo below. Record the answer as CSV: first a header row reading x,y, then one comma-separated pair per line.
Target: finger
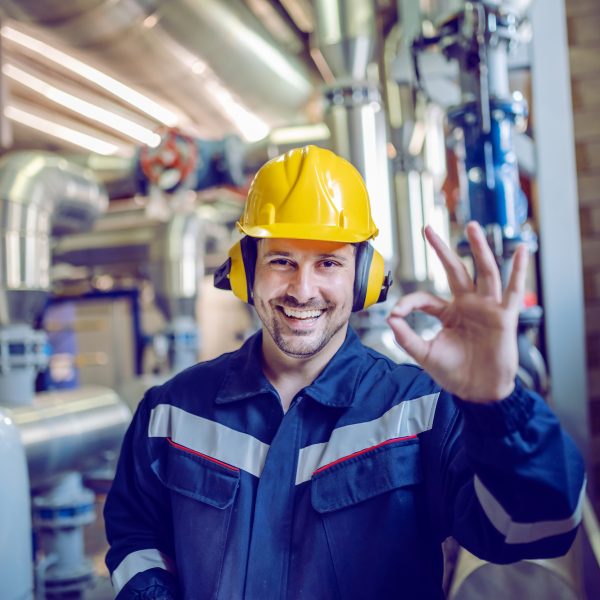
x,y
515,290
488,281
414,344
458,277
423,301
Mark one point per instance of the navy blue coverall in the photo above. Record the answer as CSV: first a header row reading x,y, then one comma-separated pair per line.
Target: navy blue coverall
x,y
219,494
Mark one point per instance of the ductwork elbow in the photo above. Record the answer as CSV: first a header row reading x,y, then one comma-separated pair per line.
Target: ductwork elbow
x,y
41,194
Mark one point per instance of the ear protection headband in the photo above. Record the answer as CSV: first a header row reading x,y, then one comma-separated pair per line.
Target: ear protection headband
x,y
371,284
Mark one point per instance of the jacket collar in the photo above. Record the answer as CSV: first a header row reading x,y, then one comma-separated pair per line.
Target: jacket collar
x,y
244,377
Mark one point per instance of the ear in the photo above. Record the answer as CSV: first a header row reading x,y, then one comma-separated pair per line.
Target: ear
x,y
371,284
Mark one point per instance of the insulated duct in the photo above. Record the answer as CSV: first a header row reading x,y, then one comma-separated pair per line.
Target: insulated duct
x,y
211,59
70,430
40,194
59,432
170,254
345,36
16,571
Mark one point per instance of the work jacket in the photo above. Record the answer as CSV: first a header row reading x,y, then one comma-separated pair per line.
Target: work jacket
x,y
349,494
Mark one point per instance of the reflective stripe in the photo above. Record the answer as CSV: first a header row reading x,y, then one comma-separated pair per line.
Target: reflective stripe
x,y
138,562
207,437
524,533
408,418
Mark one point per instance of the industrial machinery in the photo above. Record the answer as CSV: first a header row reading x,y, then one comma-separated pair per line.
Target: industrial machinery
x,y
45,439
479,36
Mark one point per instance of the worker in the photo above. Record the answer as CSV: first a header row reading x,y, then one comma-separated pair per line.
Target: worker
x,y
307,466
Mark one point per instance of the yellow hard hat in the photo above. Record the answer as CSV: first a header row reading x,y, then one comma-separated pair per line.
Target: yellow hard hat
x,y
311,194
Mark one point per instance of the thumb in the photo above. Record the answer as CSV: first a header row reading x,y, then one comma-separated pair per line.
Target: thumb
x,y
413,343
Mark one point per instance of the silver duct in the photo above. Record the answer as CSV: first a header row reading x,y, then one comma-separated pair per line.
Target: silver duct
x,y
70,430
186,49
345,35
61,431
417,132
40,194
16,571
170,254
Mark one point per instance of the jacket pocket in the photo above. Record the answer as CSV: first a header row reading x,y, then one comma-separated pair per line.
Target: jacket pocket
x,y
197,477
202,493
371,509
365,476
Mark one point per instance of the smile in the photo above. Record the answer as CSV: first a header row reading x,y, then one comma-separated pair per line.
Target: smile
x,y
301,314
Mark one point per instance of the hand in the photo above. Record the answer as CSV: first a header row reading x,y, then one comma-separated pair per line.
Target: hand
x,y
475,355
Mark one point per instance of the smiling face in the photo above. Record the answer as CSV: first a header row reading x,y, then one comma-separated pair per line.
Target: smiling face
x,y
303,292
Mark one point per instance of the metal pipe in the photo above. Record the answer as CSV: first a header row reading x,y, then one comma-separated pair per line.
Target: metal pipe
x,y
345,35
171,253
69,430
15,515
211,59
40,194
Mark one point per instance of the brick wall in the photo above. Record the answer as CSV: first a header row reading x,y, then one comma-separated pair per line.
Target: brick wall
x,y
583,23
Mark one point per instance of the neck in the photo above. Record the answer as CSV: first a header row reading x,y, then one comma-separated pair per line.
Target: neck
x,y
289,374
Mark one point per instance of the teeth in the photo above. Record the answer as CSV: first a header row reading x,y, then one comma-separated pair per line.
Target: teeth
x,y
302,314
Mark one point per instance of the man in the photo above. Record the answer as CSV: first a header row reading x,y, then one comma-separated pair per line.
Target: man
x,y
307,466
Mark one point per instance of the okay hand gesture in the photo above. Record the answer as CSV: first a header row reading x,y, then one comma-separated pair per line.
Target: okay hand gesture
x,y
475,355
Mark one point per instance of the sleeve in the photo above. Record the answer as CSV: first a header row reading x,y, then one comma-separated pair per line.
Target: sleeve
x,y
511,481
137,517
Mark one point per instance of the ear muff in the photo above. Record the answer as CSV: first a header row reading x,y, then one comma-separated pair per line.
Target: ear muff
x,y
237,272
371,284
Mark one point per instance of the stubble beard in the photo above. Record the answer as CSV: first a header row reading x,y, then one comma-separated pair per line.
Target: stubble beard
x,y
296,347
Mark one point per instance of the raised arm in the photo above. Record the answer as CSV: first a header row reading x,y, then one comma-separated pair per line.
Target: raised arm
x,y
504,479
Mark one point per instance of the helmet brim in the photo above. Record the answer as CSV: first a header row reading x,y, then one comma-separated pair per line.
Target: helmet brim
x,y
307,231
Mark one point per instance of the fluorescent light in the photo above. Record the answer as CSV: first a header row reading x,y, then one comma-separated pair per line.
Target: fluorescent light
x,y
252,127
316,132
82,107
62,132
114,87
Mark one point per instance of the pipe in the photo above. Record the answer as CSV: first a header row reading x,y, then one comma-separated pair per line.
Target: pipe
x,y
345,35
171,253
70,430
40,194
15,515
212,59
177,264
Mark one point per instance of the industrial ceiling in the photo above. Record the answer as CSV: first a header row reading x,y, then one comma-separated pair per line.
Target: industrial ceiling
x,y
102,75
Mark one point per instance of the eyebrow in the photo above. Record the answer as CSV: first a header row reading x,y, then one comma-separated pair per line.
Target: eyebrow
x,y
324,256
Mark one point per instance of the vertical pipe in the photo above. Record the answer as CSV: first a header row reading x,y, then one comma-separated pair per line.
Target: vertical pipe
x,y
16,569
345,35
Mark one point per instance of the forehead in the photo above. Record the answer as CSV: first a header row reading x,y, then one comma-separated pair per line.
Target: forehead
x,y
304,247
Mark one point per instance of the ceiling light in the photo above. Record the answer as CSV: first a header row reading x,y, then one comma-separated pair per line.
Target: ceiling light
x,y
62,132
252,127
114,87
317,132
87,109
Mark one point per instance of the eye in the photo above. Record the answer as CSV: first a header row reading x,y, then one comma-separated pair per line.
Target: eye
x,y
279,262
329,264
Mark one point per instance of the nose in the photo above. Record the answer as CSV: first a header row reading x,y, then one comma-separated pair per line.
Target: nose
x,y
302,284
